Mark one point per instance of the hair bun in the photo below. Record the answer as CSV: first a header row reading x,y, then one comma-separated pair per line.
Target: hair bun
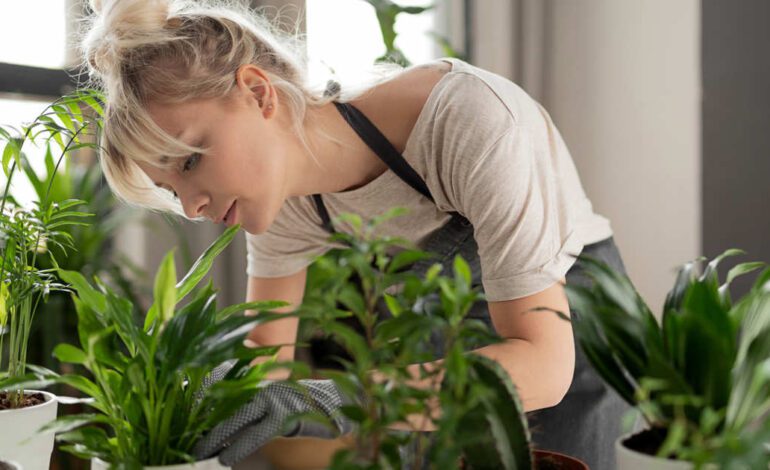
x,y
120,25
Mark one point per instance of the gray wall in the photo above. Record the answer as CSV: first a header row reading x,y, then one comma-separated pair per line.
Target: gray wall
x,y
736,129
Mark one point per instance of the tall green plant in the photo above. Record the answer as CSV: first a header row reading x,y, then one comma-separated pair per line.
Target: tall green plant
x,y
150,387
387,13
481,417
700,378
28,233
81,179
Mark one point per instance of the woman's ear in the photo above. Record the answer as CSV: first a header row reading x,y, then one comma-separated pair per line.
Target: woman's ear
x,y
255,86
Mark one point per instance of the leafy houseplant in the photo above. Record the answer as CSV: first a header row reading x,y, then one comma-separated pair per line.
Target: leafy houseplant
x,y
481,421
26,234
700,378
151,389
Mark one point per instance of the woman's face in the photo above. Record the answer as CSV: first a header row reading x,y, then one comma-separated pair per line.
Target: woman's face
x,y
242,177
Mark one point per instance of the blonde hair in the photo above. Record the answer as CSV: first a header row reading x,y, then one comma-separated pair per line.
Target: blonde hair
x,y
170,51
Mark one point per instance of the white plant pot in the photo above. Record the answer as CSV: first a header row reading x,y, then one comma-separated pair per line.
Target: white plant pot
x,y
210,464
629,459
16,426
9,464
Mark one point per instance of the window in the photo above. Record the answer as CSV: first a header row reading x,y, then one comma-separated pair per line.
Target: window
x,y
32,58
344,36
33,33
15,112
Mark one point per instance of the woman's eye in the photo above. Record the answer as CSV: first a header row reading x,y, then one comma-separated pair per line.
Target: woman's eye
x,y
191,161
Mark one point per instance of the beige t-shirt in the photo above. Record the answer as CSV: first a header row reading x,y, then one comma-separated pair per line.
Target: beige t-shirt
x,y
485,149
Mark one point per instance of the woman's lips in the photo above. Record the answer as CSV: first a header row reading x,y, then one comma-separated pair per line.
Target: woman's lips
x,y
230,216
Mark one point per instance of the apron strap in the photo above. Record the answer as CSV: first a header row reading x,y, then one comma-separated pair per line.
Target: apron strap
x,y
382,147
326,221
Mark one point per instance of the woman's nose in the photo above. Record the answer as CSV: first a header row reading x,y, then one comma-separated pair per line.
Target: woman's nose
x,y
194,205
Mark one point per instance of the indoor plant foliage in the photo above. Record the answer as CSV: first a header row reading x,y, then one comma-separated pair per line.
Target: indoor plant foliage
x,y
27,233
481,418
151,390
700,378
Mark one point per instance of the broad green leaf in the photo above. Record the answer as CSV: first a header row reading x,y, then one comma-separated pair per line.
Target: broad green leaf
x,y
70,422
92,298
71,354
203,264
165,288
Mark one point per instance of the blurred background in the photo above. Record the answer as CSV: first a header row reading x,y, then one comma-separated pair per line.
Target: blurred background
x,y
663,105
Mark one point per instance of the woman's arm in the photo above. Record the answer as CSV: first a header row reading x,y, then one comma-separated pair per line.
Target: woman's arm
x,y
290,289
538,353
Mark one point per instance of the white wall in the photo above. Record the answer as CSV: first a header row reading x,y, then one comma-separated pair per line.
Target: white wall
x,y
621,79
623,85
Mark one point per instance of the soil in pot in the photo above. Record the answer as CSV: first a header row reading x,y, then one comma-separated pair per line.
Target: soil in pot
x,y
547,460
646,442
29,399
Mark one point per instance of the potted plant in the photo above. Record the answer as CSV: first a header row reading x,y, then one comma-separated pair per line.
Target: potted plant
x,y
480,424
25,235
700,378
152,393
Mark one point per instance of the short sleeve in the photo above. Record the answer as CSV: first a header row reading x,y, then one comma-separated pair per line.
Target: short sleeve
x,y
287,246
521,221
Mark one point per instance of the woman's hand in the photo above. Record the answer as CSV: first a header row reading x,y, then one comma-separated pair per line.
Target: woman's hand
x,y
265,418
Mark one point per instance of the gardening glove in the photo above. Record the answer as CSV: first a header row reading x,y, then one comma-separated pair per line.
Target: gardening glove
x,y
265,417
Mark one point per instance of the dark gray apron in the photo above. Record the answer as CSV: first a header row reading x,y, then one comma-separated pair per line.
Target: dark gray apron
x,y
587,421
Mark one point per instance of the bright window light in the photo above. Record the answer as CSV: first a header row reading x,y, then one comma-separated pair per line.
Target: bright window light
x,y
16,113
344,36
33,33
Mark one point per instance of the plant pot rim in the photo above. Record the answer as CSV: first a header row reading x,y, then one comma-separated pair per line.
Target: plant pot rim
x,y
49,397
561,455
620,446
210,459
14,464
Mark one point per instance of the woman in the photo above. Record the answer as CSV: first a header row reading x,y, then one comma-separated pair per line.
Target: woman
x,y
209,115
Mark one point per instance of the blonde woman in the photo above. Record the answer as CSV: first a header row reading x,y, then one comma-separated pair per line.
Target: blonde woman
x,y
210,115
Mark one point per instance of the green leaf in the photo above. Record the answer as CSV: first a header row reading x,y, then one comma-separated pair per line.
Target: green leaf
x,y
462,271
70,422
92,298
393,305
407,258
203,264
165,288
258,306
70,354
504,413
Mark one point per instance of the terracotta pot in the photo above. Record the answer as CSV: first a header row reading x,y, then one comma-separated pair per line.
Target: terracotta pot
x,y
295,453
210,464
19,440
549,460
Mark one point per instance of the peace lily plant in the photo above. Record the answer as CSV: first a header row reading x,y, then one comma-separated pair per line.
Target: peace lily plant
x,y
26,234
152,392
700,378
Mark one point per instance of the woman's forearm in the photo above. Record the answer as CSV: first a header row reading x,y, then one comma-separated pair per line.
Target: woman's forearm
x,y
539,383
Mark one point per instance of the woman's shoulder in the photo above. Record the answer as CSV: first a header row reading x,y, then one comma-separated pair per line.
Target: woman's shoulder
x,y
395,105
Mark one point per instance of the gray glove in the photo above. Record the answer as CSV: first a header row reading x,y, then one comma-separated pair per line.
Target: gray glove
x,y
265,417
